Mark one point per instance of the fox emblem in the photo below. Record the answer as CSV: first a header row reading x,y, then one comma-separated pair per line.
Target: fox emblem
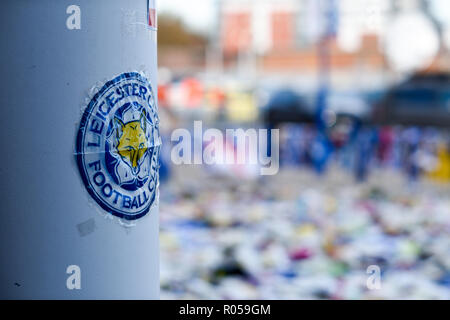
x,y
132,141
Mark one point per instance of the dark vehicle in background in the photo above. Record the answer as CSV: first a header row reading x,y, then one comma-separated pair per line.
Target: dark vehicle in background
x,y
422,100
286,105
339,117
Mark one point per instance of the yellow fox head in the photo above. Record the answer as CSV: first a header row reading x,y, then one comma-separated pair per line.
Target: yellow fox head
x,y
132,140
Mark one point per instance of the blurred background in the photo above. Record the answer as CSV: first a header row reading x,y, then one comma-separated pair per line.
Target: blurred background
x,y
360,90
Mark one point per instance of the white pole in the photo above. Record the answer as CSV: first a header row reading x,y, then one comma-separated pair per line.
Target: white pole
x,y
80,146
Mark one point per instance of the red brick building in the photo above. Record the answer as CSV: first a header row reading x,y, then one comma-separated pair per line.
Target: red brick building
x,y
283,34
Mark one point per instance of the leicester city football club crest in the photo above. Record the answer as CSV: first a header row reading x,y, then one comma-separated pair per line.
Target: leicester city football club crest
x,y
118,147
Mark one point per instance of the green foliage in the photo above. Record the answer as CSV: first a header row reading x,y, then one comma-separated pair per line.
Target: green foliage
x,y
172,32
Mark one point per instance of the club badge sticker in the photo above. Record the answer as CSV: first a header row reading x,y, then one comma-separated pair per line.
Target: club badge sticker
x,y
118,146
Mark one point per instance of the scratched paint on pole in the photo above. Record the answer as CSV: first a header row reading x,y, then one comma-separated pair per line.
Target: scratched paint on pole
x,y
151,14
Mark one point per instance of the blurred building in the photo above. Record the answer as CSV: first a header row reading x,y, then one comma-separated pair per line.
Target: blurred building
x,y
285,36
267,39
282,35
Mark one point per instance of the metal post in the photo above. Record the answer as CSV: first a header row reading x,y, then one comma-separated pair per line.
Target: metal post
x,y
324,59
78,78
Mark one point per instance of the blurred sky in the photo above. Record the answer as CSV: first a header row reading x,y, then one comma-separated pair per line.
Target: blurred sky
x,y
441,9
197,14
200,14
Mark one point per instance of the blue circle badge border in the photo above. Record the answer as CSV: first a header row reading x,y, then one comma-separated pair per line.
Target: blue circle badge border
x,y
118,146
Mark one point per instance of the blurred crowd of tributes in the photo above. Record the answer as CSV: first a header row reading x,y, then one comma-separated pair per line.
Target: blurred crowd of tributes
x,y
358,88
